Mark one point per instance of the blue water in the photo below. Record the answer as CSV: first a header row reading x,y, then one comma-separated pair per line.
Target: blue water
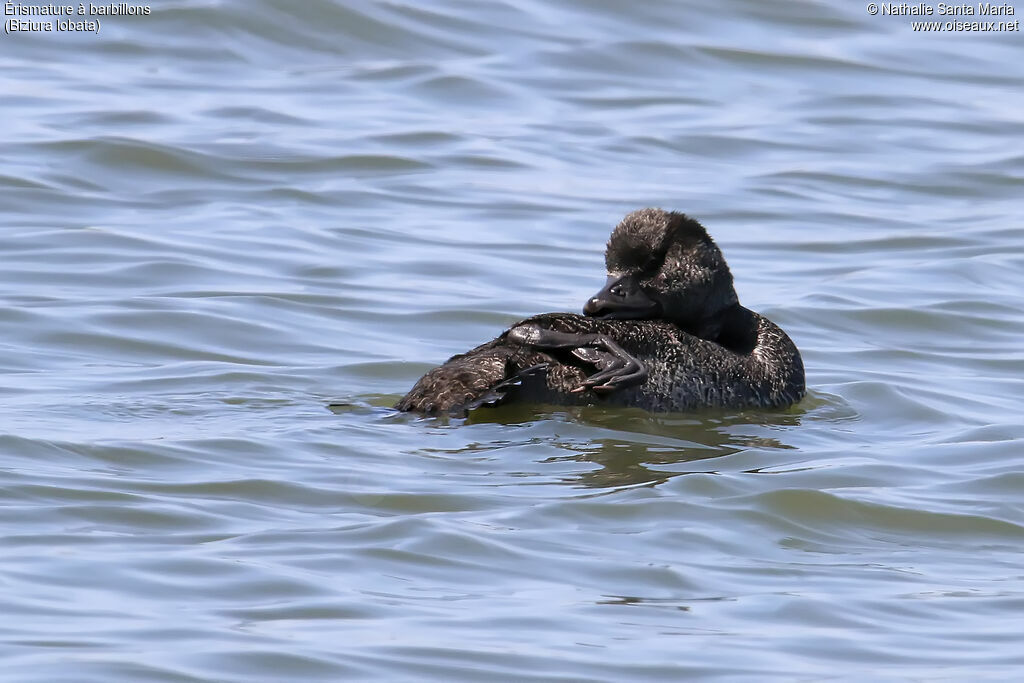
x,y
218,219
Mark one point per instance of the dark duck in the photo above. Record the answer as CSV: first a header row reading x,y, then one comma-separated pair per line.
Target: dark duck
x,y
666,333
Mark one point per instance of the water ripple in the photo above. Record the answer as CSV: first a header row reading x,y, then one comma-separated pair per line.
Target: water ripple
x,y
221,218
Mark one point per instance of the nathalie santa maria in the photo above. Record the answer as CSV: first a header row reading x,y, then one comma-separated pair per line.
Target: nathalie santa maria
x,y
919,9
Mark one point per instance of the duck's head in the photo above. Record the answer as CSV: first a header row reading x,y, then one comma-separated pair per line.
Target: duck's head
x,y
664,265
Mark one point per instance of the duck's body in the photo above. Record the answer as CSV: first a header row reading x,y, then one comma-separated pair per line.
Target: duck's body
x,y
666,334
684,372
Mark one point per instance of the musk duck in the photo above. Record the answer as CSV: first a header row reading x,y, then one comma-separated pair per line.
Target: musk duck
x,y
666,333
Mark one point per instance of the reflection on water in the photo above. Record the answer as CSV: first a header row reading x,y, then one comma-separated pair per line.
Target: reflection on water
x,y
623,461
623,442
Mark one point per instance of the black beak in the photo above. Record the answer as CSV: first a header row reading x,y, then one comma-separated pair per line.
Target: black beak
x,y
622,299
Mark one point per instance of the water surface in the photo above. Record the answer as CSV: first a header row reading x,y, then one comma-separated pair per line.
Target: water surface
x,y
222,217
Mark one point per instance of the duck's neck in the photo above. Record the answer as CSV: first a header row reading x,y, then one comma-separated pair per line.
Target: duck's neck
x,y
734,328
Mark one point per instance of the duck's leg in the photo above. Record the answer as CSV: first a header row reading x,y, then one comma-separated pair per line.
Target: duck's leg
x,y
616,368
622,372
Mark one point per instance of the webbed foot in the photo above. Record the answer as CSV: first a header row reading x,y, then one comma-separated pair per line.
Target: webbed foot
x,y
617,369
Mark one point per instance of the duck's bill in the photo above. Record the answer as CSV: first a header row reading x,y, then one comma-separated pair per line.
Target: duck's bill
x,y
622,298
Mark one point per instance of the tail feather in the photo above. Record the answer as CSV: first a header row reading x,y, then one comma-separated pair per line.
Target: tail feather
x,y
507,388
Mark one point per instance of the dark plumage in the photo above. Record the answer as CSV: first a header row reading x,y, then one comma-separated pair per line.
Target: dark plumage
x,y
666,333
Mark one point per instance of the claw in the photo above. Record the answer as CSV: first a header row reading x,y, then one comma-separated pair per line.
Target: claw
x,y
621,371
616,368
